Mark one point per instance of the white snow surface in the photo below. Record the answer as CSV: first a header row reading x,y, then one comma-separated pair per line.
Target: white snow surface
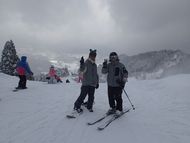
x,y
38,114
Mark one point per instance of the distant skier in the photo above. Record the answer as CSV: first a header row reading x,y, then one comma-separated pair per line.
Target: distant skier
x,y
23,69
116,79
80,77
89,83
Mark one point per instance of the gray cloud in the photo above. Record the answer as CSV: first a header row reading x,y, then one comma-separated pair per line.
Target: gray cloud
x,y
152,24
68,28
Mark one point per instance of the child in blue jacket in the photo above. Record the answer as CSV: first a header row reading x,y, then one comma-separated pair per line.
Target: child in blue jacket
x,y
22,69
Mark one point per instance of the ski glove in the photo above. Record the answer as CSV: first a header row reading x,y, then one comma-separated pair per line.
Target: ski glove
x,y
82,65
97,85
121,83
82,61
105,63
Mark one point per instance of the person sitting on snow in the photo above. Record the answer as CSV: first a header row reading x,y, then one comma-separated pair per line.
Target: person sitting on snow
x,y
52,75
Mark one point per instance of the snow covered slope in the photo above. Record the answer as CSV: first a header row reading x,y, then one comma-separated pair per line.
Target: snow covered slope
x,y
37,115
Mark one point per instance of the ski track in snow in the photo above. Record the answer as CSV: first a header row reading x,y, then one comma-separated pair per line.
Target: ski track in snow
x,y
38,114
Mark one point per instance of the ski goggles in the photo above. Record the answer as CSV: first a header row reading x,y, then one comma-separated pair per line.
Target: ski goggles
x,y
114,57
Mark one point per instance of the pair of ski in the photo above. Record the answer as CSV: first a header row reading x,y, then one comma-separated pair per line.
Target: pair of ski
x,y
105,124
108,122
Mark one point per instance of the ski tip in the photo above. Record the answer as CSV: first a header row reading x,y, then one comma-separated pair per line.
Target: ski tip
x,y
70,116
100,129
88,123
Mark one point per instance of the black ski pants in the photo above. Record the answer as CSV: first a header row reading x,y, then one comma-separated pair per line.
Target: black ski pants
x,y
90,90
115,98
22,81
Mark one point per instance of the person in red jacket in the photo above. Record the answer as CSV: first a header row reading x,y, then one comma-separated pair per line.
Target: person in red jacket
x,y
52,71
52,76
23,69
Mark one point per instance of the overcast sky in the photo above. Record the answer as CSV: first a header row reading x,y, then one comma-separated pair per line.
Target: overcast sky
x,y
69,28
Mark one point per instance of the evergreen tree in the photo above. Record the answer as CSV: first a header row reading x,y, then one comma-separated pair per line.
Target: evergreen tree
x,y
0,66
9,58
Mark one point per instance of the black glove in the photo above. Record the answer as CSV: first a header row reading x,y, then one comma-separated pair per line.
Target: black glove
x,y
82,61
121,83
97,85
105,63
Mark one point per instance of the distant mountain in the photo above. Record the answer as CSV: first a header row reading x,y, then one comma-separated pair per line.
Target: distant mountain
x,y
157,64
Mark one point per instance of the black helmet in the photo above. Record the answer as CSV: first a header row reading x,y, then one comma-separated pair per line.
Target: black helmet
x,y
113,57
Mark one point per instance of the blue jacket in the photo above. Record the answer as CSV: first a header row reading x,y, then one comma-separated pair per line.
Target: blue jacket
x,y
23,67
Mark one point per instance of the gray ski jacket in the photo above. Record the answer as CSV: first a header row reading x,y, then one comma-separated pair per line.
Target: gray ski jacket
x,y
90,74
115,71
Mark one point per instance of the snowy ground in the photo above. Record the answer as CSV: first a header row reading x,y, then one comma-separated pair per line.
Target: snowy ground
x,y
37,115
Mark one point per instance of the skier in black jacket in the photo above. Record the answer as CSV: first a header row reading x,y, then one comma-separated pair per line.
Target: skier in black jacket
x,y
116,78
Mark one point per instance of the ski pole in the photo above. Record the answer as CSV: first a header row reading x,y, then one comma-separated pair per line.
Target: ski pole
x,y
129,99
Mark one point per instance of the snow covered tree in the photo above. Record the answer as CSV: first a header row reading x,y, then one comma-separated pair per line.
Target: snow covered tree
x,y
0,67
9,58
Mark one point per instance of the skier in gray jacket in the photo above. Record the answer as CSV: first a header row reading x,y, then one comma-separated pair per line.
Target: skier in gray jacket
x,y
116,78
90,82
